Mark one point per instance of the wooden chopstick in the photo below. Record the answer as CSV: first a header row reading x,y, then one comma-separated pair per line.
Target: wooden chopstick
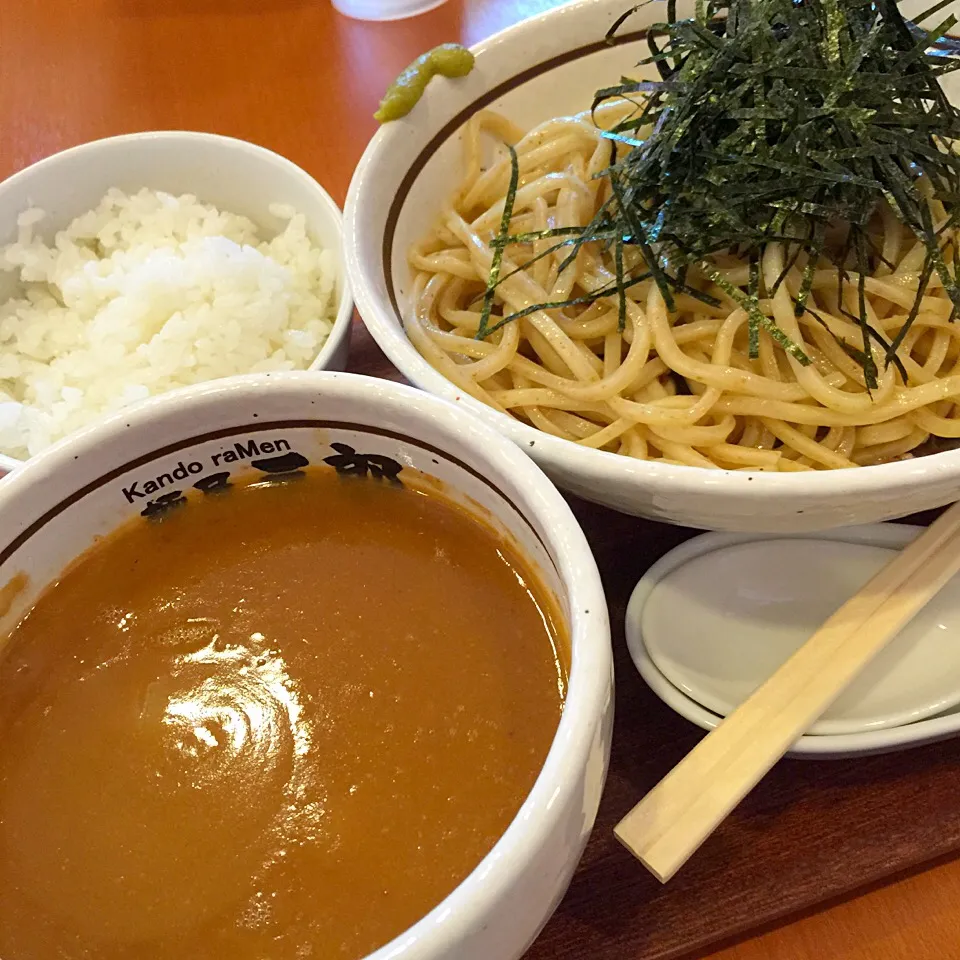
x,y
673,820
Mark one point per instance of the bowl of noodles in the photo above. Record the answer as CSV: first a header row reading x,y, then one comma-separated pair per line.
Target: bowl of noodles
x,y
803,380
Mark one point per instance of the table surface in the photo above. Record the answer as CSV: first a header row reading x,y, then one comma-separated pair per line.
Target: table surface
x,y
298,78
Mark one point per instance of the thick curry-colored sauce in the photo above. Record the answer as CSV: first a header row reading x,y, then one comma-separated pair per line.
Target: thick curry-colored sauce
x,y
282,722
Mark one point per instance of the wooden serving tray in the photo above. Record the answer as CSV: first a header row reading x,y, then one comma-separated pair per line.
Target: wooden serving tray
x,y
811,832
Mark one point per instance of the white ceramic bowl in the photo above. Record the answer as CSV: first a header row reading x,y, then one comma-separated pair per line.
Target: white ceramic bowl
x,y
52,509
231,174
548,66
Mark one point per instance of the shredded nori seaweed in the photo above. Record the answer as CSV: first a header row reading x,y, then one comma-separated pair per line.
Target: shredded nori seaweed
x,y
776,120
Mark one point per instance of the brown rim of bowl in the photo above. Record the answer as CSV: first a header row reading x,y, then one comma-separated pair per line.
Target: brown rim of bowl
x,y
454,124
10,548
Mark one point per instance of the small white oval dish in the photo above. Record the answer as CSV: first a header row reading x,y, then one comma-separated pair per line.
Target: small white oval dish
x,y
718,620
812,747
683,668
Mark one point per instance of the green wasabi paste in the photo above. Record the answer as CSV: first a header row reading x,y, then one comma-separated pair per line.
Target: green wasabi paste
x,y
447,60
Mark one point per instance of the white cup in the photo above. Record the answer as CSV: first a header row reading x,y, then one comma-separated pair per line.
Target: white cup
x,y
384,9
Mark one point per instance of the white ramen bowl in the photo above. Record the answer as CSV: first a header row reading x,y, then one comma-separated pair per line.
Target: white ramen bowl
x,y
544,67
231,174
55,506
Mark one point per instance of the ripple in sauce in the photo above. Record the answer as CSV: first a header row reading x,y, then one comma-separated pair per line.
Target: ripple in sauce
x,y
283,722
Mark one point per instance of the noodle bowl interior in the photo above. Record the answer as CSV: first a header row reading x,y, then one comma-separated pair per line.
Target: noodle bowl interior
x,y
674,387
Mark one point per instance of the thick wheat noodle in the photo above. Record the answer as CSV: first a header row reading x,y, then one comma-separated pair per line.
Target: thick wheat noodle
x,y
678,387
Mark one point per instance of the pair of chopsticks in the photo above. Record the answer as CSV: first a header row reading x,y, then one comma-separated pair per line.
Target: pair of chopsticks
x,y
674,819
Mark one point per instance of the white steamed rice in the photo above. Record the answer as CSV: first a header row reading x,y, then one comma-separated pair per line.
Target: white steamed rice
x,y
146,293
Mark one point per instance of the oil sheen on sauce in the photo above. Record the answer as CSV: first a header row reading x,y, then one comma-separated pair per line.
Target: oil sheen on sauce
x,y
282,722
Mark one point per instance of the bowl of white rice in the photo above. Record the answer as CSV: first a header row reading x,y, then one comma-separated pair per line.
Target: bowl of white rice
x,y
137,264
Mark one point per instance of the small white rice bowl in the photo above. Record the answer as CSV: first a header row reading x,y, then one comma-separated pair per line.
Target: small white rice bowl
x,y
148,292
